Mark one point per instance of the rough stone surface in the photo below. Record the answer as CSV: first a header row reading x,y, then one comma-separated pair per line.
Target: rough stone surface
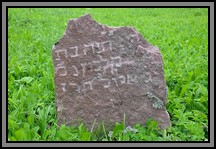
x,y
102,73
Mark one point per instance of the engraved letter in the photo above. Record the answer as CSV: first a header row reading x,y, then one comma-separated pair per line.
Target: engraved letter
x,y
74,51
89,47
147,77
123,79
114,79
63,87
101,59
78,87
76,71
131,78
97,65
83,68
86,84
107,45
107,85
107,66
58,55
61,66
98,48
107,63
128,62
117,61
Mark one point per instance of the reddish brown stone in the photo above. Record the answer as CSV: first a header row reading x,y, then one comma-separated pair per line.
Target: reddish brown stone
x,y
102,73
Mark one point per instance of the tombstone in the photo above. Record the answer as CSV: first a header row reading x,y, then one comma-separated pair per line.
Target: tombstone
x,y
104,73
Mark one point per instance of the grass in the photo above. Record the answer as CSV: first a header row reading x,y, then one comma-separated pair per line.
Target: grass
x,y
182,36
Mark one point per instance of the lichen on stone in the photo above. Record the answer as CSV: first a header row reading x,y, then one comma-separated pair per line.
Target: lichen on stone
x,y
166,90
157,102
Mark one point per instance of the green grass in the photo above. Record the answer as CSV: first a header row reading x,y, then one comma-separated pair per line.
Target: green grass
x,y
182,36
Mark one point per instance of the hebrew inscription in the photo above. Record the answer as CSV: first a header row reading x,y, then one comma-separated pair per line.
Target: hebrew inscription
x,y
102,73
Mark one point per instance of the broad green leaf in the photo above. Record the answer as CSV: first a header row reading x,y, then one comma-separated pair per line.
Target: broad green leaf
x,y
118,128
27,79
85,136
184,89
